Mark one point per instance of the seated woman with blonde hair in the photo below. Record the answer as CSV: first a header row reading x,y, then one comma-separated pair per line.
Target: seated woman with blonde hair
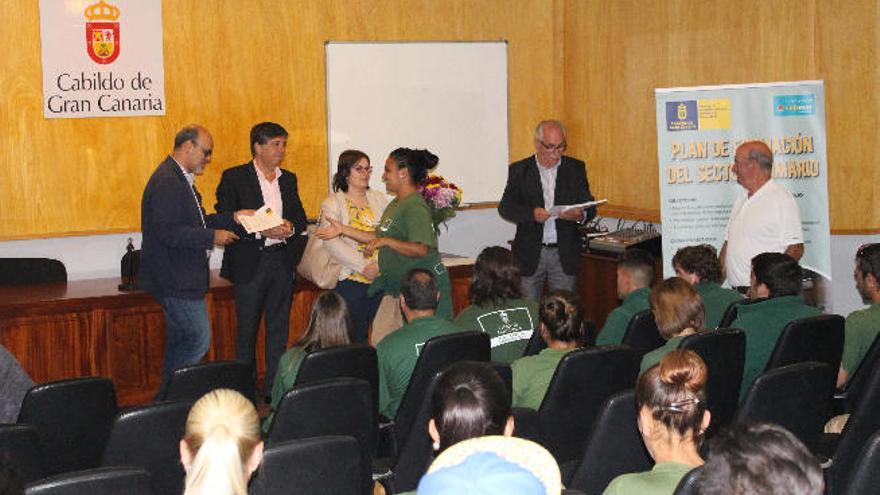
x,y
679,312
221,447
671,398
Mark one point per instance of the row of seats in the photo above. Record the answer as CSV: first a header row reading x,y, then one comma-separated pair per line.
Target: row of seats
x,y
312,410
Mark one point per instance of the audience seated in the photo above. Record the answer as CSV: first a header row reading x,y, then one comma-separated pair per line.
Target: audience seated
x,y
862,326
498,306
562,329
777,277
760,459
671,397
493,465
398,352
635,273
329,325
14,384
678,311
699,265
221,447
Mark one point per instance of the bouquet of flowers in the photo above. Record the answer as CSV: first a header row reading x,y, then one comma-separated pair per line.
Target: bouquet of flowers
x,y
443,197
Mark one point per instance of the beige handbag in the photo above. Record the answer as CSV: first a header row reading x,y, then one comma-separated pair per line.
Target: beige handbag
x,y
316,264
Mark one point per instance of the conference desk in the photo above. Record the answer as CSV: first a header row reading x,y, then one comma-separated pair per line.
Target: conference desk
x,y
88,327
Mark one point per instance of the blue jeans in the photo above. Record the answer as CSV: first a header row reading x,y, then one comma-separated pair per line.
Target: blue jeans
x,y
187,335
361,307
549,270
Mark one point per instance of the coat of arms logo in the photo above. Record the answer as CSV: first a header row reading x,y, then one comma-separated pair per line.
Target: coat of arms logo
x,y
102,32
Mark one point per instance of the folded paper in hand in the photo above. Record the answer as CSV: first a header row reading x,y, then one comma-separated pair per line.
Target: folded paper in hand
x,y
263,219
556,210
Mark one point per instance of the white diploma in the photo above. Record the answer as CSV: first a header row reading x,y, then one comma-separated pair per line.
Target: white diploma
x,y
263,219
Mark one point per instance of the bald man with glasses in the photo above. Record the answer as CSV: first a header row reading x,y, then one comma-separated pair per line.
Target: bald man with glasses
x,y
548,247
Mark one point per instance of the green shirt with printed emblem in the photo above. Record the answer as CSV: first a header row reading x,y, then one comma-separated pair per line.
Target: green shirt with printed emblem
x,y
409,219
509,325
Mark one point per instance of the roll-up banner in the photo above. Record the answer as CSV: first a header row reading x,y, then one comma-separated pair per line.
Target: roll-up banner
x,y
698,131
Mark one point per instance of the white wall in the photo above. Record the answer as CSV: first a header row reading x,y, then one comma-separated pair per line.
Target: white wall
x,y
98,256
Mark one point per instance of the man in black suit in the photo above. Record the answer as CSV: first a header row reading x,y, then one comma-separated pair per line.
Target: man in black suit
x,y
262,266
548,246
177,241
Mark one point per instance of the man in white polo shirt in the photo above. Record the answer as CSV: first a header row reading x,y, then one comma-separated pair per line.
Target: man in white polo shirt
x,y
765,218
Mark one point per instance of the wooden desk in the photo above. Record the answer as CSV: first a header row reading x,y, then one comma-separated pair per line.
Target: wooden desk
x,y
88,327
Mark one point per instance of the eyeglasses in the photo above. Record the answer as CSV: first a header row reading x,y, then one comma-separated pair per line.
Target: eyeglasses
x,y
206,151
554,147
367,169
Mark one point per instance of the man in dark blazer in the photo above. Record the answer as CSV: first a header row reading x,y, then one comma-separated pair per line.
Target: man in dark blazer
x,y
547,246
262,266
177,241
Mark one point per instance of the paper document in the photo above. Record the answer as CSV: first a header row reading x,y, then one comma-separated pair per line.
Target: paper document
x,y
556,210
263,219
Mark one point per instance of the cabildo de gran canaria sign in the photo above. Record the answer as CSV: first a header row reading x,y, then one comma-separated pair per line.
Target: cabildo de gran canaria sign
x,y
89,71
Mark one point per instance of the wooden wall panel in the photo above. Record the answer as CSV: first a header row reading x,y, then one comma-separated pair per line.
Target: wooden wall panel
x,y
229,65
618,52
594,62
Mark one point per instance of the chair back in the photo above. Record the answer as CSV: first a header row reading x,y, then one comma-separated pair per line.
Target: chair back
x,y
148,437
582,382
20,447
73,419
416,451
436,355
536,343
614,447
329,465
99,481
26,271
855,387
730,313
340,406
863,422
192,382
347,361
642,333
817,338
865,476
506,373
690,484
796,397
724,352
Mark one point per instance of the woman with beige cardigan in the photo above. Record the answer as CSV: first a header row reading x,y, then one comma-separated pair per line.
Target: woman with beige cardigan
x,y
353,203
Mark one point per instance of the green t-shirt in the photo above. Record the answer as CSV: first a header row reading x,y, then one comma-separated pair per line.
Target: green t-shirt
x,y
661,480
410,220
509,325
716,299
654,357
862,327
532,375
763,323
398,353
615,326
288,368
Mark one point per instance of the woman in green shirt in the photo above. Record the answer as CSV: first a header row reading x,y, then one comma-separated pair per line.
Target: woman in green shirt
x,y
405,238
562,328
678,311
671,398
329,326
498,307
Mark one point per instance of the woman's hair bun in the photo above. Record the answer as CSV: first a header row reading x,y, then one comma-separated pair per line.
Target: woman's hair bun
x,y
683,368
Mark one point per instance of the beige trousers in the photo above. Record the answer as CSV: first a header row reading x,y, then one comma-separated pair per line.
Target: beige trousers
x,y
388,319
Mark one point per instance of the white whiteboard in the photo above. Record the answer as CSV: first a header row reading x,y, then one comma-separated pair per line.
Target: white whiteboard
x,y
448,97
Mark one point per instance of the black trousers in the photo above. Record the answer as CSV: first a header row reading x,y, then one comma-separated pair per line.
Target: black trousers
x,y
269,292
